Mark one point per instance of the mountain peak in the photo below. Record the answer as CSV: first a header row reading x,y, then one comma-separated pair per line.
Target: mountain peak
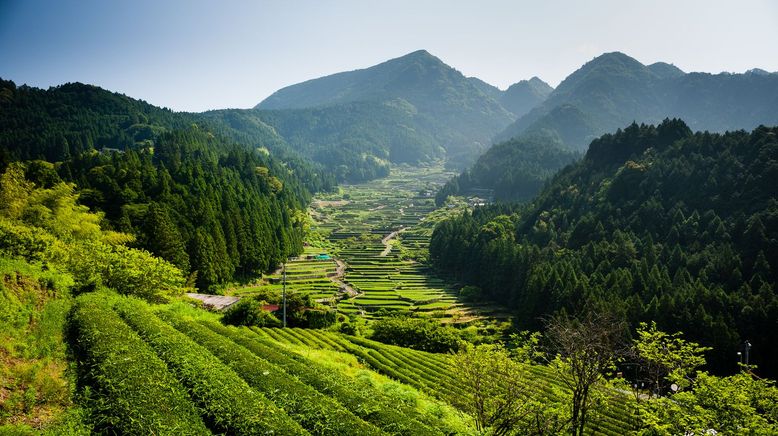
x,y
758,72
613,59
665,70
421,53
522,96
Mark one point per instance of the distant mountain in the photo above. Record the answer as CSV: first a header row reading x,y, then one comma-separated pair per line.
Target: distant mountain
x,y
461,115
614,89
514,170
521,97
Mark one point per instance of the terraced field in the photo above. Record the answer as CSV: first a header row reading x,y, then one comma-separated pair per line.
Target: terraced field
x,y
381,231
432,373
168,370
153,370
309,274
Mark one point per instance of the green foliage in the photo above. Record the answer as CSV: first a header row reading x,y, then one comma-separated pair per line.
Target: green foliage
x,y
470,294
654,224
317,413
48,225
666,357
495,393
320,318
225,401
738,404
249,312
128,388
417,333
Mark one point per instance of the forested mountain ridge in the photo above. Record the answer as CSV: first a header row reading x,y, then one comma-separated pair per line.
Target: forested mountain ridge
x,y
354,141
460,114
614,89
522,96
655,223
63,121
514,170
214,208
606,93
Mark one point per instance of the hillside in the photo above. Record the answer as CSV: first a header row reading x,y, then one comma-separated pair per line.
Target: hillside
x,y
353,141
613,89
439,102
523,96
216,209
607,93
655,223
513,170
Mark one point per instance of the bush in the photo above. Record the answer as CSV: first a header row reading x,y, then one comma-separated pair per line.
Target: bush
x,y
320,318
470,294
249,312
228,404
133,391
417,333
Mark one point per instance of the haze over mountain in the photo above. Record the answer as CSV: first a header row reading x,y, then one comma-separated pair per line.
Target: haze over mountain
x,y
605,94
438,108
614,89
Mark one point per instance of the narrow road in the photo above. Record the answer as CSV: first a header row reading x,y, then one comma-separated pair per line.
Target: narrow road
x,y
340,271
388,239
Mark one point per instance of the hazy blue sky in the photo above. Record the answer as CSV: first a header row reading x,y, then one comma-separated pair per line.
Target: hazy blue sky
x,y
197,55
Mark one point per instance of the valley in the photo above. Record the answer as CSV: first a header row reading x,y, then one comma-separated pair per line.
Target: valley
x,y
300,221
367,252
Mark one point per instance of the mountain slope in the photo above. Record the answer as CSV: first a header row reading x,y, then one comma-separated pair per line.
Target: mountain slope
x,y
458,113
614,89
214,208
521,97
655,223
513,170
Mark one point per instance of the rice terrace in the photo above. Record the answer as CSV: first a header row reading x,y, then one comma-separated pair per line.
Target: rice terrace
x,y
352,218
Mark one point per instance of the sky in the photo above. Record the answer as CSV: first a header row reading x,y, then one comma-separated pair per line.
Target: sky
x,y
195,55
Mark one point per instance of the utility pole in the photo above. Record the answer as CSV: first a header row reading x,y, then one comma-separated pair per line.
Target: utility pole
x,y
283,268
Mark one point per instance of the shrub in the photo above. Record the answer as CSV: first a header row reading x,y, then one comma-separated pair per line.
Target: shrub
x,y
249,312
417,333
470,294
320,318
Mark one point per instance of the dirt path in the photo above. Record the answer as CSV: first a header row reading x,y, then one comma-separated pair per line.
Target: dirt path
x,y
386,241
340,272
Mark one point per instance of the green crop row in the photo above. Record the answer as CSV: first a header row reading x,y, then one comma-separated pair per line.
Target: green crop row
x,y
368,404
134,393
317,413
227,403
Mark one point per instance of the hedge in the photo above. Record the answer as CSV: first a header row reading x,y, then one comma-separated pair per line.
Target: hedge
x,y
227,403
133,391
364,403
317,413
